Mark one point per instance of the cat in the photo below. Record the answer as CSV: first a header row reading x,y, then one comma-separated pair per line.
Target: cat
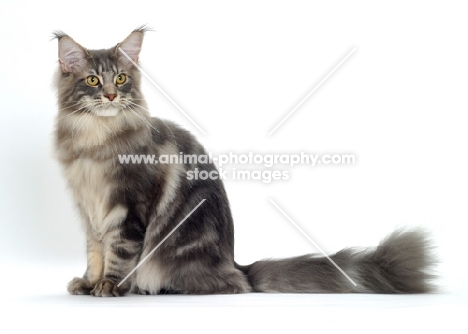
x,y
128,209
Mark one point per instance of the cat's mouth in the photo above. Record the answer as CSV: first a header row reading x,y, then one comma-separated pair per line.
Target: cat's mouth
x,y
109,109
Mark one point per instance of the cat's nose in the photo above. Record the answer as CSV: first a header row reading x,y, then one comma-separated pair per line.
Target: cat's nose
x,y
111,97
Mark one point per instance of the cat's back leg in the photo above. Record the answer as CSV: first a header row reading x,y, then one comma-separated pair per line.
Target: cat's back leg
x,y
188,273
198,278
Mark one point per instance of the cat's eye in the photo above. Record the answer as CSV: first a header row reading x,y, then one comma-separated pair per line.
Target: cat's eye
x,y
120,79
92,80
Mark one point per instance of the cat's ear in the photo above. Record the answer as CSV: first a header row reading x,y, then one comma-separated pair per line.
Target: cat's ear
x,y
130,47
72,56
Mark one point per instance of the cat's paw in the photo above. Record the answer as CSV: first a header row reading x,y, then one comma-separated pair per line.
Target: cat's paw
x,y
108,288
143,292
79,286
138,291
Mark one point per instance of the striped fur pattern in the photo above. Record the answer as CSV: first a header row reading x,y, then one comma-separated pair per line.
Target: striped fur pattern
x,y
127,209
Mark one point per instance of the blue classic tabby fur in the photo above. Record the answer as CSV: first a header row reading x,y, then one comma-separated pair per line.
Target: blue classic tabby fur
x,y
127,209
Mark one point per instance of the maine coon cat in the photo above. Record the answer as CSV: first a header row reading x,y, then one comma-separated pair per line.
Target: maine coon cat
x,y
128,209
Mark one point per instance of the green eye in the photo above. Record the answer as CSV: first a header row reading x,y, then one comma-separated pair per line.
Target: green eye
x,y
120,79
92,80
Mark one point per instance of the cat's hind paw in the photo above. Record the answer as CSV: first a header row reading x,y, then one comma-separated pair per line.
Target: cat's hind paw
x,y
79,286
139,291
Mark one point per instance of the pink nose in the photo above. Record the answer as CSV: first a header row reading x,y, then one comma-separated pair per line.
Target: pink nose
x,y
111,97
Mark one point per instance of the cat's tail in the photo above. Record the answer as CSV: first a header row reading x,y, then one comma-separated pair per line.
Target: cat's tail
x,y
400,264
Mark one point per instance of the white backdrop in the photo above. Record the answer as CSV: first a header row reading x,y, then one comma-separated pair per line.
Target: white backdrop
x,y
399,103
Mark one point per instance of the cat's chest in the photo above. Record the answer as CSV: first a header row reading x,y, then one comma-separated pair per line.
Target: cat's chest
x,y
92,187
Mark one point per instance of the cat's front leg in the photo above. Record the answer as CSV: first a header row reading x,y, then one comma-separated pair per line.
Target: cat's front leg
x,y
122,249
94,270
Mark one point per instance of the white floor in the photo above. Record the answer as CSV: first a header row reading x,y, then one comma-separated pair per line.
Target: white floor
x,y
36,300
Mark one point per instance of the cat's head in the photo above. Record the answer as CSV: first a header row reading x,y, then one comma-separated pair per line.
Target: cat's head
x,y
103,83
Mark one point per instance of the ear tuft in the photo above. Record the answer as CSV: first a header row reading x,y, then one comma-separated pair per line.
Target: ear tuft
x,y
72,56
131,47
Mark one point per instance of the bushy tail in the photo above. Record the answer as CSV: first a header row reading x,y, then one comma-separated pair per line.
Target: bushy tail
x,y
400,264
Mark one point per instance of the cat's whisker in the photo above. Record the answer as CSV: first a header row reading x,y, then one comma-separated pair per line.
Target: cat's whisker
x,y
173,136
139,106
141,117
87,117
126,117
73,127
71,113
83,120
71,106
72,101
78,119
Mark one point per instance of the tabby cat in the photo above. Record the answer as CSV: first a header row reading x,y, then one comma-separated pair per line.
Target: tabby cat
x,y
128,209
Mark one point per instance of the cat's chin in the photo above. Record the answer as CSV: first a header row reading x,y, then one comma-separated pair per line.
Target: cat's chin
x,y
108,112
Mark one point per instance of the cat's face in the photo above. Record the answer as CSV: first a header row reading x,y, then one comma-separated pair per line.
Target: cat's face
x,y
103,83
